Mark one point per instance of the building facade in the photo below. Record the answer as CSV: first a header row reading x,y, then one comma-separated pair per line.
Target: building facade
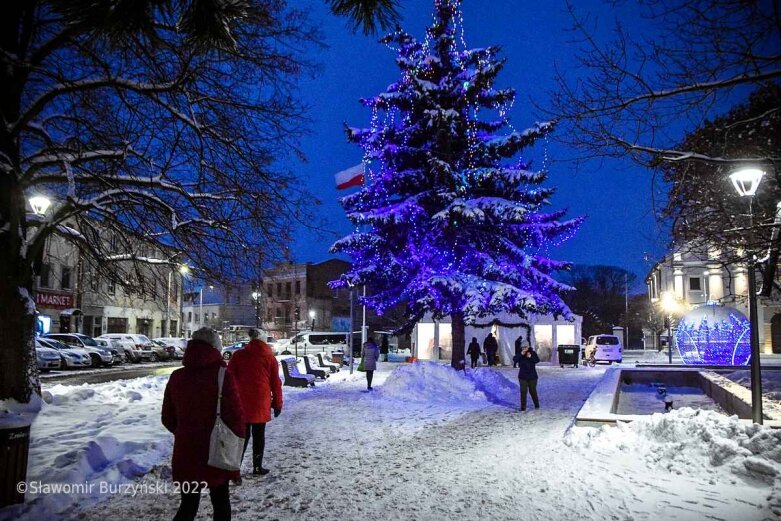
x,y
296,297
73,297
691,278
229,309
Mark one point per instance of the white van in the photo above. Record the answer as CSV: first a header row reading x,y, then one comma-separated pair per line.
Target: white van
x,y
606,348
311,342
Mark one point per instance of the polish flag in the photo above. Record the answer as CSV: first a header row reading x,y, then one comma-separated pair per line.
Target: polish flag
x,y
353,176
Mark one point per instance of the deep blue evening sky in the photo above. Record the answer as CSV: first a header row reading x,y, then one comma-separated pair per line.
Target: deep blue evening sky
x,y
616,197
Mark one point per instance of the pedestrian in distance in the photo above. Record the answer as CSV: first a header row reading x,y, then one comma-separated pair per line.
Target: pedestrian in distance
x,y
384,348
189,412
527,376
369,356
473,351
518,349
490,347
256,372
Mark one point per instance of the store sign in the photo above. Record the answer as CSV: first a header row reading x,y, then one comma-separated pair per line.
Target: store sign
x,y
54,300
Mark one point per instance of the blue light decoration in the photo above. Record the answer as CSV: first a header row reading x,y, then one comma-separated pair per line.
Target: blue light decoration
x,y
452,218
714,335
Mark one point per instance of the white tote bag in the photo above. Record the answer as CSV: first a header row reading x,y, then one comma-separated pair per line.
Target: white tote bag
x,y
225,448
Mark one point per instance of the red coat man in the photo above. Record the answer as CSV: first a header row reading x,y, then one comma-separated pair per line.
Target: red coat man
x,y
256,372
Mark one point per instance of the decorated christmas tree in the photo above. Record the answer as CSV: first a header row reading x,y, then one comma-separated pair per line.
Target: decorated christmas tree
x,y
450,221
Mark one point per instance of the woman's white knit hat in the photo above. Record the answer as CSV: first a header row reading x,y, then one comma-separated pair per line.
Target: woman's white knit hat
x,y
210,336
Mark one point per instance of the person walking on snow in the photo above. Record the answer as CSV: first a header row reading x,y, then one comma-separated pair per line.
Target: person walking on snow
x,y
384,348
527,376
473,351
189,412
256,372
490,347
369,356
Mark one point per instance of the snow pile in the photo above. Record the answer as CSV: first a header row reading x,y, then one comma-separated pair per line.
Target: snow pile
x,y
15,415
771,382
691,442
435,382
99,435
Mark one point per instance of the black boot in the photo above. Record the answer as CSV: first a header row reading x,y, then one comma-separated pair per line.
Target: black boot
x,y
257,466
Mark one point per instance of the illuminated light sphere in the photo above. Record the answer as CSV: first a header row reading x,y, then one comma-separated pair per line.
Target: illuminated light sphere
x,y
714,335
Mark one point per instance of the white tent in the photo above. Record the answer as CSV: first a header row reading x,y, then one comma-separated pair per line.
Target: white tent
x,y
432,340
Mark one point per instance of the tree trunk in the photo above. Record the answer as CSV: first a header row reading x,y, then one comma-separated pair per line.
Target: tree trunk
x,y
457,360
18,366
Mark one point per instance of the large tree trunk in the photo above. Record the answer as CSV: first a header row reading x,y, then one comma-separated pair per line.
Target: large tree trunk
x,y
18,368
457,360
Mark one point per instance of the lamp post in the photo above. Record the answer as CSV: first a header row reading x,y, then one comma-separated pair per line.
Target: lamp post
x,y
312,316
669,305
746,181
256,298
183,270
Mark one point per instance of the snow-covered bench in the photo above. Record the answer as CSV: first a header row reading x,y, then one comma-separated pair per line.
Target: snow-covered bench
x,y
311,368
293,378
334,368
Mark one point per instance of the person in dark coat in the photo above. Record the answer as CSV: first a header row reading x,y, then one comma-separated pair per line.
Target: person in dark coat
x,y
473,351
384,348
369,356
256,372
527,376
189,412
518,349
490,347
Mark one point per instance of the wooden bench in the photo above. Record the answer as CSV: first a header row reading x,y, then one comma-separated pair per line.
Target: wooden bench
x,y
293,378
334,368
311,368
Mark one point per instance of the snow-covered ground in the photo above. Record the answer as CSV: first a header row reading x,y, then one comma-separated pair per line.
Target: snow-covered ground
x,y
771,382
428,443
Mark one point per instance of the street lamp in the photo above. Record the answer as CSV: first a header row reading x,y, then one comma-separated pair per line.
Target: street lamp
x,y
746,181
312,316
39,204
669,305
256,298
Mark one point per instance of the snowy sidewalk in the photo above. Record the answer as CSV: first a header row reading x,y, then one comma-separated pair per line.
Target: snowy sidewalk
x,y
429,444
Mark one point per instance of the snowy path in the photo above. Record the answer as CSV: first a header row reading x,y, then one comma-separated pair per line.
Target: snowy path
x,y
339,453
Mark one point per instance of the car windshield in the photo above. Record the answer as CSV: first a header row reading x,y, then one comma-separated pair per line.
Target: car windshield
x,y
607,340
56,344
88,341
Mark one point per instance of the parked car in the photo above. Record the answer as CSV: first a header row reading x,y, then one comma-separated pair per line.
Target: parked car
x,y
179,342
100,356
310,342
132,343
70,357
227,351
160,351
605,348
120,357
47,357
175,346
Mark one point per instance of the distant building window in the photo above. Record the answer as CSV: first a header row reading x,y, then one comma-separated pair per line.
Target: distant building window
x,y
269,318
189,316
66,277
94,281
112,287
279,289
214,316
695,284
287,289
45,275
198,317
298,287
270,289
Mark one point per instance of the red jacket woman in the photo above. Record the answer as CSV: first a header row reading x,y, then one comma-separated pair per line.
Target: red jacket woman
x,y
190,410
256,373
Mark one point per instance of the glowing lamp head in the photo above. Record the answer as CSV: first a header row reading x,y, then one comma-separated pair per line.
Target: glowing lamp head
x,y
312,314
255,295
40,204
184,269
668,302
746,181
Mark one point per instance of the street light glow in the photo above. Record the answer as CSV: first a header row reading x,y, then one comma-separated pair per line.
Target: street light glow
x,y
39,204
312,314
746,181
